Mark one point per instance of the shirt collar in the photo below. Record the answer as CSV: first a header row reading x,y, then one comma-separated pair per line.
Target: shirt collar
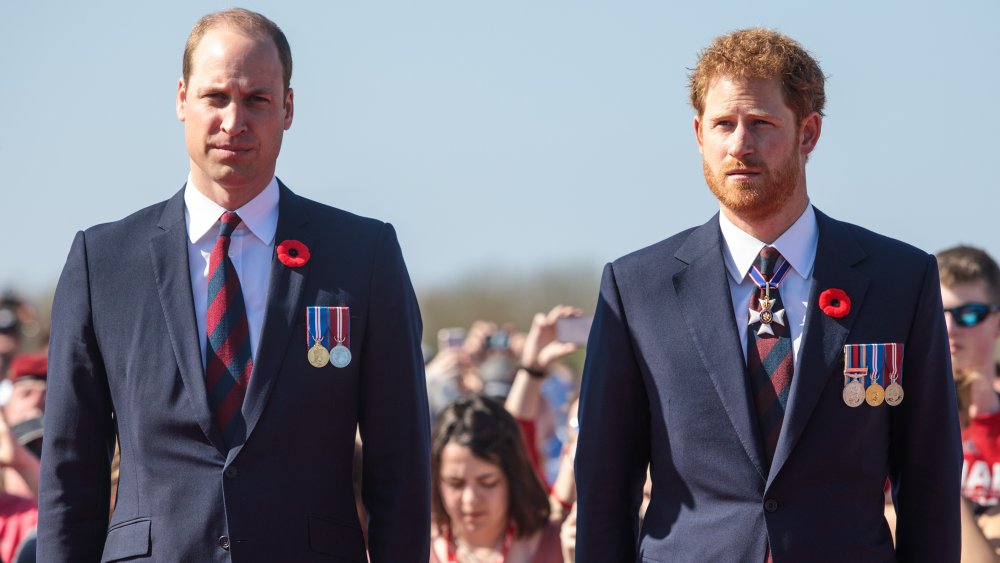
x,y
259,215
797,245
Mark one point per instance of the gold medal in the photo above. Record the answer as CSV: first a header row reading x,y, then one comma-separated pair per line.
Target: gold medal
x,y
875,395
894,394
317,326
318,356
854,394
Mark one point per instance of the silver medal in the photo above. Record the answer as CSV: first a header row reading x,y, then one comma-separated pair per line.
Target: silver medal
x,y
340,356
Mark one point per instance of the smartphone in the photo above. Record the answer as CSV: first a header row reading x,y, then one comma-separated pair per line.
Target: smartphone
x,y
499,340
574,329
451,337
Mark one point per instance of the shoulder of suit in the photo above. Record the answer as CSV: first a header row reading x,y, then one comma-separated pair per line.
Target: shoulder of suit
x,y
335,215
875,245
657,254
145,219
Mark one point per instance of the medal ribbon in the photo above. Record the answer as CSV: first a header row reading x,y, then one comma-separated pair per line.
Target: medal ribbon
x,y
855,358
850,357
894,367
343,334
877,363
775,281
316,329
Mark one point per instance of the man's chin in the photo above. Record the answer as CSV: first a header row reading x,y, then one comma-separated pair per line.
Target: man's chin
x,y
745,199
232,178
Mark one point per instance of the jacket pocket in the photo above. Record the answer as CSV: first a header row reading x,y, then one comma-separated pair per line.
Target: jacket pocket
x,y
128,539
343,541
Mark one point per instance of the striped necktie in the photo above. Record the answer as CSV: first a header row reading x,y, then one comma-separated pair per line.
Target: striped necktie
x,y
228,360
769,347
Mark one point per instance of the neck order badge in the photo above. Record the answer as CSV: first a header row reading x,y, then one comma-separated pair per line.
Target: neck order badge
x,y
763,278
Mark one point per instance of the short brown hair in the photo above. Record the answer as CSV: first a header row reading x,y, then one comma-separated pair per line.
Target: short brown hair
x,y
761,53
968,264
482,425
249,23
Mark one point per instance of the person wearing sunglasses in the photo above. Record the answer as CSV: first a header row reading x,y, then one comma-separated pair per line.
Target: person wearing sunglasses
x,y
970,294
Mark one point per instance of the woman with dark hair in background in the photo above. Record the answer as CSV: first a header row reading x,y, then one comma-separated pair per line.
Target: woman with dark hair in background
x,y
488,504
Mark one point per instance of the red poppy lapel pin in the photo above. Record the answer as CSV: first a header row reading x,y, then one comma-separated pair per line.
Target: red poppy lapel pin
x,y
835,303
293,253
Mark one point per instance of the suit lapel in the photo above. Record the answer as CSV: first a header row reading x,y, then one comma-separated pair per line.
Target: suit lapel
x,y
284,296
169,253
703,293
824,337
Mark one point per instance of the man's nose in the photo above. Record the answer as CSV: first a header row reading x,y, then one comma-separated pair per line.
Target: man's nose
x,y
233,122
740,142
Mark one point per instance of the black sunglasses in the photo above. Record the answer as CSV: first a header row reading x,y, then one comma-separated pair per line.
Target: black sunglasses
x,y
971,314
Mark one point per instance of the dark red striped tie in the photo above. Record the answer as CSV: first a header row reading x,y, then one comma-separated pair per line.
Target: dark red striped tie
x,y
228,360
769,357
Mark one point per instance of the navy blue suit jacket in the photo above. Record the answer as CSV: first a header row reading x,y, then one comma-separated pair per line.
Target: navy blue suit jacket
x,y
665,384
125,361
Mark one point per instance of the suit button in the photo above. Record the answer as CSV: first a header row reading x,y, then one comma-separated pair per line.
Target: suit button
x,y
224,542
770,505
231,472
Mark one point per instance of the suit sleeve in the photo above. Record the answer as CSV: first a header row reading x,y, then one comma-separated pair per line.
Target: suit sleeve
x,y
613,447
394,417
74,485
926,453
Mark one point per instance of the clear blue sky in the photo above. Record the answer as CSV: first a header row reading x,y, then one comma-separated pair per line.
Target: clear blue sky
x,y
510,135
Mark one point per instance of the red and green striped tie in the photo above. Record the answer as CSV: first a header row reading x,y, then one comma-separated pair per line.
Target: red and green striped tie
x,y
228,360
769,353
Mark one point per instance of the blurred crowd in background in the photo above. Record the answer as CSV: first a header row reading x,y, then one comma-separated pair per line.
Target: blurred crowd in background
x,y
503,401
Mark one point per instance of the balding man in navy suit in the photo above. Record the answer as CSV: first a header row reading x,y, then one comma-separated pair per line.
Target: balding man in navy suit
x,y
233,339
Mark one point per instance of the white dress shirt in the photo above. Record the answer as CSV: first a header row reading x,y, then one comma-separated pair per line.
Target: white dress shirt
x,y
251,248
798,246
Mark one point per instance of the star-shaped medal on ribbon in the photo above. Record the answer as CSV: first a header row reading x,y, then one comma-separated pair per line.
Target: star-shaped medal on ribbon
x,y
766,316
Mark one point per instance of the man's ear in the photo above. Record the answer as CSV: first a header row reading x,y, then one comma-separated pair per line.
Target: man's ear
x,y
809,132
697,132
289,108
181,101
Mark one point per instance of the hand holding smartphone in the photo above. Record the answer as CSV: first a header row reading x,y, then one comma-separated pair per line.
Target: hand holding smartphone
x,y
574,329
451,337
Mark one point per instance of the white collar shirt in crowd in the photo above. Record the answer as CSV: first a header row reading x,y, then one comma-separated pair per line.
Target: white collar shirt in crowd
x,y
798,246
251,249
